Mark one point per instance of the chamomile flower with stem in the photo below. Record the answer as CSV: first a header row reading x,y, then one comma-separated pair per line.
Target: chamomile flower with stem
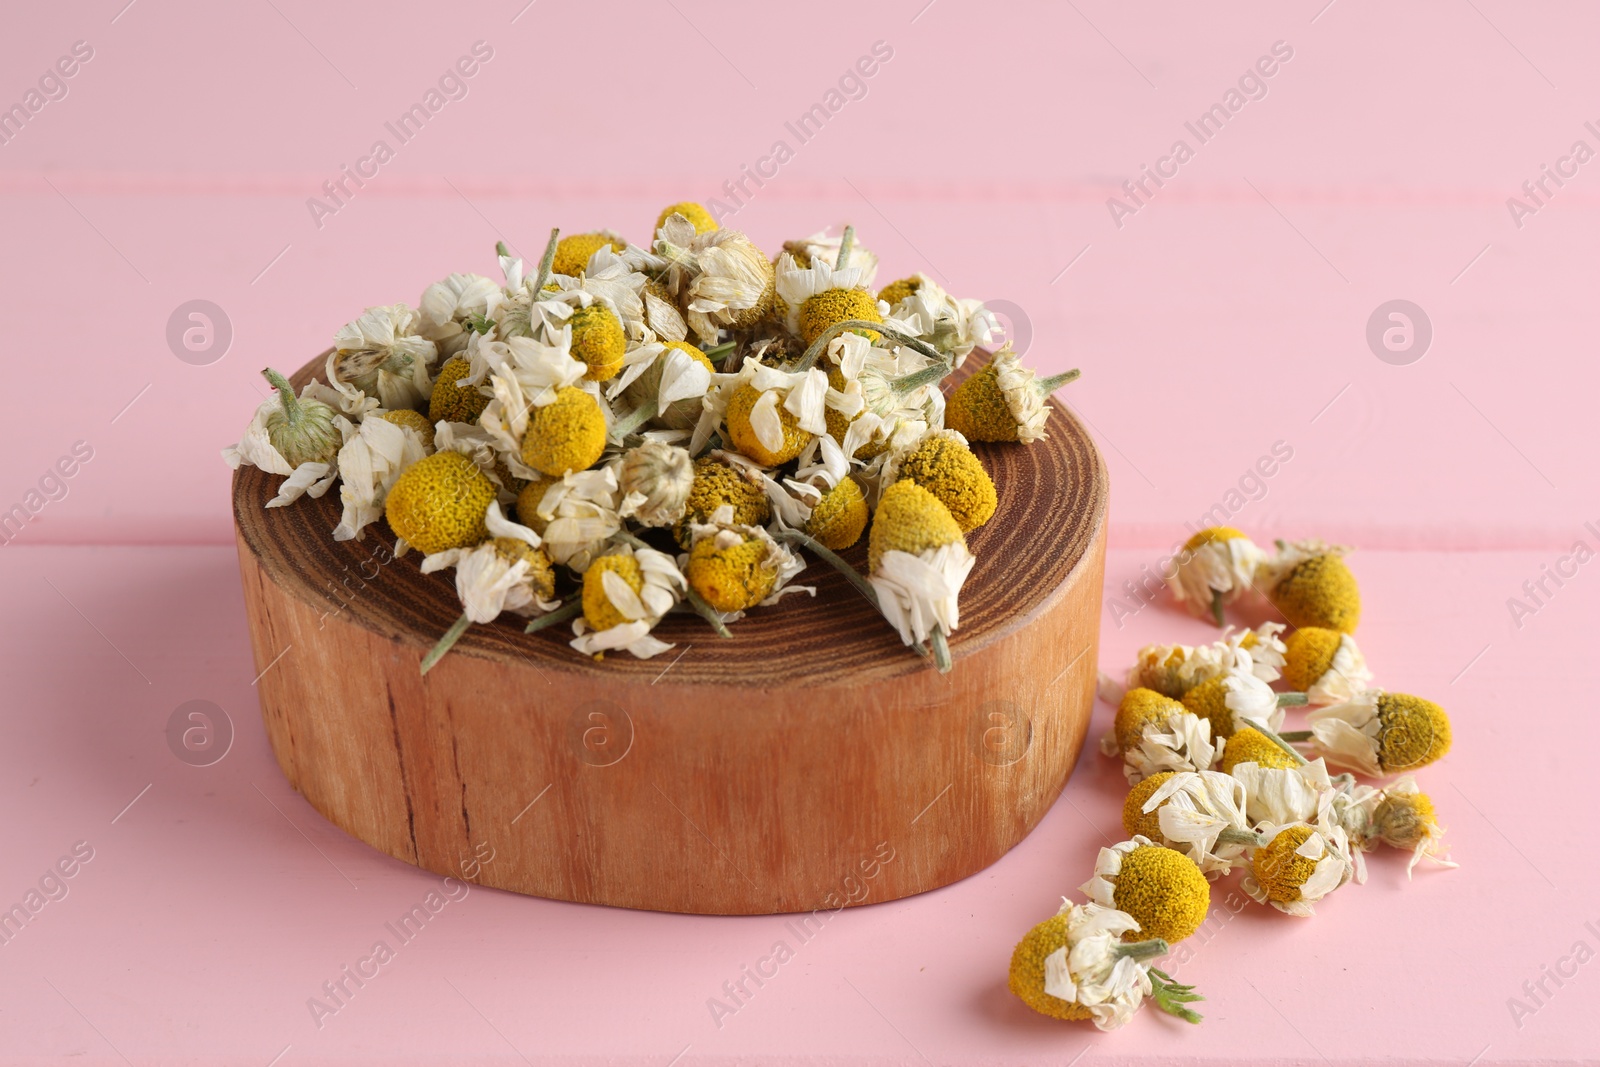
x,y
1078,965
1164,891
1379,734
1310,583
834,250
298,437
1216,567
918,561
626,591
1238,698
1404,817
382,355
822,296
1198,813
507,572
1325,664
1004,401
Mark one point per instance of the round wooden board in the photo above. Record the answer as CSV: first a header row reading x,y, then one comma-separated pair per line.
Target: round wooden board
x,y
810,762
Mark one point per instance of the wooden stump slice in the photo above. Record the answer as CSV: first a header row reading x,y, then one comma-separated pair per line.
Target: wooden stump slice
x,y
810,762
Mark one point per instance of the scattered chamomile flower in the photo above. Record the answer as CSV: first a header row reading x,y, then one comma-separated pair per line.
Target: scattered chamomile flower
x,y
567,434
673,376
305,434
734,567
696,215
821,296
655,479
573,252
371,461
1311,585
718,482
407,419
1162,889
1404,818
1216,567
839,518
1283,791
1378,733
454,399
1300,864
598,341
1234,699
1003,401
507,572
1076,965
625,593
1173,670
1199,813
1267,649
918,560
1325,664
1138,709
943,464
1182,743
440,502
382,355
720,279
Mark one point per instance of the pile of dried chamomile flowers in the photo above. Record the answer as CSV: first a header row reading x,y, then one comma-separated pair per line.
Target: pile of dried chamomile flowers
x,y
1217,784
626,432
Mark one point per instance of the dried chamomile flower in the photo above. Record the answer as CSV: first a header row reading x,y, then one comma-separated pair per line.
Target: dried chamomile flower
x,y
300,430
407,419
839,518
610,280
452,308
1404,818
1235,698
1076,965
734,567
1378,733
671,376
1281,789
824,247
382,355
371,461
1173,670
720,279
567,434
1162,889
943,464
598,341
771,415
1139,708
696,215
256,447
1300,864
1199,813
1250,745
918,561
1003,402
1216,567
655,479
719,482
1311,585
1182,742
440,502
920,307
578,514
625,593
1267,649
821,296
508,572
1325,664
573,252
454,398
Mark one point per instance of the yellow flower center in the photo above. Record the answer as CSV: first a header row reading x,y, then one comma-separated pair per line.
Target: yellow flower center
x,y
1309,655
598,341
978,409
1135,820
1142,707
1413,732
1027,970
572,253
733,578
697,215
1250,745
740,406
439,502
839,517
910,519
567,434
414,420
833,306
1164,891
598,610
450,402
1279,869
1322,592
716,484
949,470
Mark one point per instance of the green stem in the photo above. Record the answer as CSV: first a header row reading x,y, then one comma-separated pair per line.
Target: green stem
x,y
829,556
1230,836
291,403
908,383
543,277
1282,741
706,612
1216,605
941,657
816,348
446,643
571,609
1170,996
716,352
1046,386
846,244
1292,700
1295,735
634,419
1142,950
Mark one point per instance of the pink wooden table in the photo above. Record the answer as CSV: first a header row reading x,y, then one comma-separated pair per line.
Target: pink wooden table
x,y
1226,315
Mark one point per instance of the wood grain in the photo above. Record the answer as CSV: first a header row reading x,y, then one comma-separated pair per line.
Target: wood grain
x,y
772,772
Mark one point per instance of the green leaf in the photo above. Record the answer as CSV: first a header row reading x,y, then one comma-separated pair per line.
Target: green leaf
x,y
1171,996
